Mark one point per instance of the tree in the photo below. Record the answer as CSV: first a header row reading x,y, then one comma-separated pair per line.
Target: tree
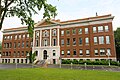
x,y
24,9
31,57
117,42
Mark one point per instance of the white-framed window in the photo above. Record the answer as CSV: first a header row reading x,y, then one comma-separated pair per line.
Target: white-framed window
x,y
37,43
68,52
94,29
96,52
54,42
107,39
54,53
80,30
86,30
62,52
62,32
45,42
101,39
81,52
45,33
102,52
100,28
54,32
87,52
87,40
95,40
37,34
106,28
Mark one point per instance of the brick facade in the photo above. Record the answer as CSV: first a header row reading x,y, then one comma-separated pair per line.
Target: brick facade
x,y
89,38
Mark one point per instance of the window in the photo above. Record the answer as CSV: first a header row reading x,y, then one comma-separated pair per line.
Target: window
x,y
102,52
37,43
31,44
96,52
8,37
54,53
18,44
107,39
26,43
5,37
23,35
95,40
67,32
22,44
80,31
101,40
81,52
68,41
86,30
18,53
62,52
100,28
62,32
22,53
45,42
10,45
27,35
94,30
74,31
62,41
87,52
4,45
14,54
36,53
74,51
80,41
87,40
68,52
37,34
19,36
74,41
45,33
106,28
54,32
108,51
15,37
54,42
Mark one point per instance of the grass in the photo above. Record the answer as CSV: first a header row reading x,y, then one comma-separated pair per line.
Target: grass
x,y
56,74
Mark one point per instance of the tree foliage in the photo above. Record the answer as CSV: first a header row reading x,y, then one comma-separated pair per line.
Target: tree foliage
x,y
117,42
24,9
31,57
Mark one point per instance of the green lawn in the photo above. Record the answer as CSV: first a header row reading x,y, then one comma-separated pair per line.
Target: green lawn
x,y
56,74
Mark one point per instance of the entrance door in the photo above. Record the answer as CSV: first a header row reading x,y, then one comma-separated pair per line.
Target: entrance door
x,y
44,54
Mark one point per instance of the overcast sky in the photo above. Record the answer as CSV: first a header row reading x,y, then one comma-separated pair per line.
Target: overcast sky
x,y
75,9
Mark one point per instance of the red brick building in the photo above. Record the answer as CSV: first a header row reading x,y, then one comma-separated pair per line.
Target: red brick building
x,y
89,38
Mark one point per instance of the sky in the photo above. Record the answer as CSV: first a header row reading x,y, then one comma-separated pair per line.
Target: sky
x,y
74,9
